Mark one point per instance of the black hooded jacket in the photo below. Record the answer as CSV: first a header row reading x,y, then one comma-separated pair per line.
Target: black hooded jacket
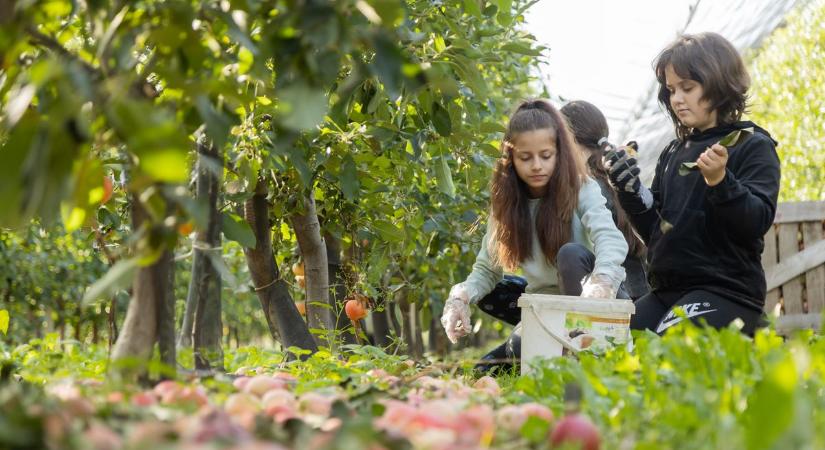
x,y
714,239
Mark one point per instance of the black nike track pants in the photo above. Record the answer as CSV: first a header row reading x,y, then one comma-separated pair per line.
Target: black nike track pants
x,y
655,311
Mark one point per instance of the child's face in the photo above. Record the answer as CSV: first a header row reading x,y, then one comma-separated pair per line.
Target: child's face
x,y
534,157
686,100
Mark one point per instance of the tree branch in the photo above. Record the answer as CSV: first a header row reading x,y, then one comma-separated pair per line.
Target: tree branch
x,y
141,87
50,43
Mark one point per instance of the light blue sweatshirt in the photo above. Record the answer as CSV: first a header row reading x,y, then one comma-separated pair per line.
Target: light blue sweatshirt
x,y
593,227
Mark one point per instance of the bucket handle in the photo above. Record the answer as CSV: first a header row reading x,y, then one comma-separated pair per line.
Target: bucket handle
x,y
566,343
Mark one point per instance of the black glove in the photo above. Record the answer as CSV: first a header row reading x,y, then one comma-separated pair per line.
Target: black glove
x,y
623,170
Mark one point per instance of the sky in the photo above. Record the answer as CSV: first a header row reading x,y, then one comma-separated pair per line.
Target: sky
x,y
601,50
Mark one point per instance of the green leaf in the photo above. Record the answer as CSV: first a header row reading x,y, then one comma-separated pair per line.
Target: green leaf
x,y
4,321
302,107
472,7
16,146
504,8
216,259
73,216
18,103
195,208
236,33
771,408
117,278
438,44
441,120
236,229
375,102
388,231
387,64
687,167
521,49
470,75
349,178
382,162
217,124
535,429
390,11
154,135
299,162
491,127
444,177
735,137
166,164
245,60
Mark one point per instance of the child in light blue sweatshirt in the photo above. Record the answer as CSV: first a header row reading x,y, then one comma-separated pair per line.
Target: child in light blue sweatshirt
x,y
547,218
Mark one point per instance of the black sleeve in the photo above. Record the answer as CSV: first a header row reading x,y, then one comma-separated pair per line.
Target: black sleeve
x,y
745,200
642,218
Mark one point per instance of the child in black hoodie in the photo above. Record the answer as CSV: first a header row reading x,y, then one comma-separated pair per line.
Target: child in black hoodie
x,y
705,215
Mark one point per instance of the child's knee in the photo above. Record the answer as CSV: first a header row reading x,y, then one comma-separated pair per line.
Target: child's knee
x,y
572,254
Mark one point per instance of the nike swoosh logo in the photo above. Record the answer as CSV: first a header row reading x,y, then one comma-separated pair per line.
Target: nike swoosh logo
x,y
665,325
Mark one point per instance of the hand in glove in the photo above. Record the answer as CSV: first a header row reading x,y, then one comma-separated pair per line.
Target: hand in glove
x,y
456,316
623,170
599,285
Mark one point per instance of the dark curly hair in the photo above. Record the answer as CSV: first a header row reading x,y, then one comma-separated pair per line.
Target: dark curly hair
x,y
713,62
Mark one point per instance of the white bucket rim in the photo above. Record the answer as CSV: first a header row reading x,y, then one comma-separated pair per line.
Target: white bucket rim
x,y
567,303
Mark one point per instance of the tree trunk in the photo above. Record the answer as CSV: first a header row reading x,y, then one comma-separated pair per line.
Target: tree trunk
x,y
406,324
381,326
338,289
60,323
438,342
187,327
418,338
285,322
314,253
166,317
396,327
149,289
208,327
112,322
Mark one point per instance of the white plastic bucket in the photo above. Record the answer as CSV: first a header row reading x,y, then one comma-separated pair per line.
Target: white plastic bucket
x,y
547,322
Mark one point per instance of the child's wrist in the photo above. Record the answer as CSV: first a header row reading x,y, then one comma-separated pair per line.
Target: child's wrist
x,y
711,182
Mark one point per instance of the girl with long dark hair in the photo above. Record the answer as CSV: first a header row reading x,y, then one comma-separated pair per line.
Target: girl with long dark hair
x,y
548,219
589,126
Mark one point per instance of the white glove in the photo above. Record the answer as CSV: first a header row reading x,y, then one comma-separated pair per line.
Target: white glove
x,y
456,316
598,285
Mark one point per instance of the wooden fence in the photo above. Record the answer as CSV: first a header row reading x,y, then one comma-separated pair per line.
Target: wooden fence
x,y
794,262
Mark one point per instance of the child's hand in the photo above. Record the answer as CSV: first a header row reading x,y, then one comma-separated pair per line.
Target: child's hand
x,y
623,170
712,163
599,286
456,316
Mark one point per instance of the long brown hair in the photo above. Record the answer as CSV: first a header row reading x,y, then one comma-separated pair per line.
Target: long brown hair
x,y
588,125
512,241
713,62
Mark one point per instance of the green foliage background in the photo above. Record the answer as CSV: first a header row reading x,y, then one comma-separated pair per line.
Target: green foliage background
x,y
788,100
388,112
